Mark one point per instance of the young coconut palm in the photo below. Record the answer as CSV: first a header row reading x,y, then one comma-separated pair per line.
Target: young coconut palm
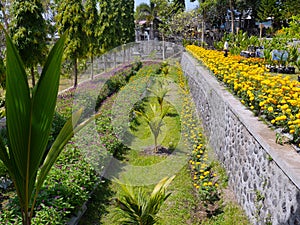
x,y
29,117
155,122
160,92
140,208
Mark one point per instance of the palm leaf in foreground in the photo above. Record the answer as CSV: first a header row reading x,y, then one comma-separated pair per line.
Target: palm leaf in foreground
x,y
29,119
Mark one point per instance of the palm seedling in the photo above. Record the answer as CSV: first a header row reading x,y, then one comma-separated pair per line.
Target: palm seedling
x,y
29,115
155,122
160,92
139,207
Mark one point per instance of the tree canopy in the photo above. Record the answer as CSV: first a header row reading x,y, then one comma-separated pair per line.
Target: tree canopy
x,y
28,30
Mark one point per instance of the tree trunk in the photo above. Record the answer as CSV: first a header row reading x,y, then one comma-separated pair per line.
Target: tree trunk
x,y
4,17
26,219
32,76
231,15
163,47
202,33
92,65
155,144
75,73
260,30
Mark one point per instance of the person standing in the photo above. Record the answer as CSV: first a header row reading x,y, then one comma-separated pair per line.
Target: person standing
x,y
226,46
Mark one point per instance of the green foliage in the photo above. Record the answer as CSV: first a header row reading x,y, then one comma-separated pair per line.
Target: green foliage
x,y
3,170
267,8
91,28
116,23
57,124
126,21
117,81
67,187
140,208
28,125
2,73
179,6
289,10
293,30
108,136
232,215
70,17
28,31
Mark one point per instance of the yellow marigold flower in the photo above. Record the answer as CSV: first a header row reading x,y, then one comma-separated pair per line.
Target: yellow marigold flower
x,y
285,106
270,109
206,173
292,131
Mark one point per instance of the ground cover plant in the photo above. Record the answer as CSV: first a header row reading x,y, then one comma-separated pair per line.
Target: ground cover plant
x,y
275,97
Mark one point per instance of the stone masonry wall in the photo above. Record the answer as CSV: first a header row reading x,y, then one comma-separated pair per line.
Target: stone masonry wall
x,y
265,176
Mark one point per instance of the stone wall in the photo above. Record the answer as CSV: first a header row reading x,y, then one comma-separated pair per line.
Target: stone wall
x,y
264,176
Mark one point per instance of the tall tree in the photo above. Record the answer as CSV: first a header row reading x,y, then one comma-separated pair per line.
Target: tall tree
x,y
267,8
116,23
179,5
107,25
70,17
91,21
127,21
148,13
3,13
28,29
289,8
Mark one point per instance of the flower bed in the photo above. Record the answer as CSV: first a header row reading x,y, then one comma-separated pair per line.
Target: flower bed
x,y
204,178
274,97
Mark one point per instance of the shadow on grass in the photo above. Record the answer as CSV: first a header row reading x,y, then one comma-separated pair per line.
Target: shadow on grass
x,y
98,204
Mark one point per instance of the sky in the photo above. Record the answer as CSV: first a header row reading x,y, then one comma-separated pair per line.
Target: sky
x,y
189,5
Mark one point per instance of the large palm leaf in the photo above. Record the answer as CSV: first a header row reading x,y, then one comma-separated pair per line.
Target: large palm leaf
x,y
29,118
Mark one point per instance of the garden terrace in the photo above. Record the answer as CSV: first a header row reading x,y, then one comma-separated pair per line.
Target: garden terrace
x,y
264,174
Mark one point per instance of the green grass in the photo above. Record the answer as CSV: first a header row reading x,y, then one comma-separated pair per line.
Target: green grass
x,y
232,215
180,207
136,158
142,132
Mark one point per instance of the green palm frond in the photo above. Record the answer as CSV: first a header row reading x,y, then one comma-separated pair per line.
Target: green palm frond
x,y
29,116
136,206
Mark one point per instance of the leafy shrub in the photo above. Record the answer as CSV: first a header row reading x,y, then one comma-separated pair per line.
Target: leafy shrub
x,y
57,124
3,170
66,188
116,82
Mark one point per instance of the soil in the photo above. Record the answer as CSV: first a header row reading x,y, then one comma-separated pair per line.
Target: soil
x,y
161,150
